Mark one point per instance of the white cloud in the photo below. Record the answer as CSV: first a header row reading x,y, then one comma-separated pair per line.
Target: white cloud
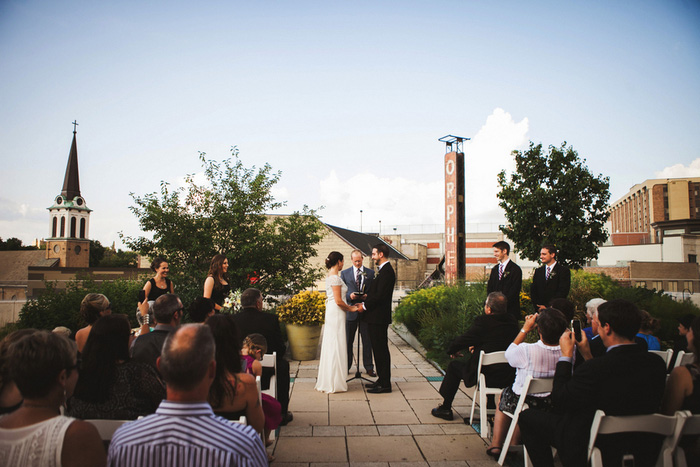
x,y
679,170
401,201
486,155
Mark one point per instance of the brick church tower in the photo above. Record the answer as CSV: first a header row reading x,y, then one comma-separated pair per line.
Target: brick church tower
x,y
70,219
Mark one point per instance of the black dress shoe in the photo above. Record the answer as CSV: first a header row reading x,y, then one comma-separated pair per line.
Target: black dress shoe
x,y
286,418
379,390
442,412
372,385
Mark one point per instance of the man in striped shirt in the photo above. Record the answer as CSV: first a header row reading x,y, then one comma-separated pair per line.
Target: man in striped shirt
x,y
184,430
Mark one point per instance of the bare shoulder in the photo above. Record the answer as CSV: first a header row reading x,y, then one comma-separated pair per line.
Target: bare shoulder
x,y
82,445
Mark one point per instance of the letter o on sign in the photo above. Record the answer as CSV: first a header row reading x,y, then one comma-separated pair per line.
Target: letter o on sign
x,y
450,167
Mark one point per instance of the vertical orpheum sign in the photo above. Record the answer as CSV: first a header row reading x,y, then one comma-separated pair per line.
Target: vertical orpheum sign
x,y
455,227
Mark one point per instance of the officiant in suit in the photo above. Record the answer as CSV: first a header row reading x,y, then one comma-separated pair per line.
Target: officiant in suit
x,y
551,280
507,278
377,314
358,278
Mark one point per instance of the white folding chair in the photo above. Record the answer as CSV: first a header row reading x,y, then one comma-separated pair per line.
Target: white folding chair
x,y
258,383
485,359
269,360
669,426
243,420
684,358
690,427
531,386
106,428
667,355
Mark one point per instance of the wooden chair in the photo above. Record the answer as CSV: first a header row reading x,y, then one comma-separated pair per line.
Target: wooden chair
x,y
690,427
684,358
106,428
531,386
666,425
667,355
269,360
485,359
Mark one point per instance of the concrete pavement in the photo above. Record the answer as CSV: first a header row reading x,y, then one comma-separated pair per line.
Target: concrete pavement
x,y
359,429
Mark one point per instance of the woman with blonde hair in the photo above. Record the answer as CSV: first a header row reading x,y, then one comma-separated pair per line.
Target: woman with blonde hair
x,y
216,286
93,306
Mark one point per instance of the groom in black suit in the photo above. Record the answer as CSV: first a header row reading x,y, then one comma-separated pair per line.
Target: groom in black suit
x,y
551,280
507,278
377,314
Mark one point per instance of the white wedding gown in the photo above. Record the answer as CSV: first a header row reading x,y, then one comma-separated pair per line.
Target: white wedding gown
x,y
333,366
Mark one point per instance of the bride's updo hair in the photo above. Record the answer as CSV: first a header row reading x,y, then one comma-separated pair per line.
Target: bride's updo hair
x,y
333,258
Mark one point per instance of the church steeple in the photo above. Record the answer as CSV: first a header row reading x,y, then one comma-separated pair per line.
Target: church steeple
x,y
70,219
71,182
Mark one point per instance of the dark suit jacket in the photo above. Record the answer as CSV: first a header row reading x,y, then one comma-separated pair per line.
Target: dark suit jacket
x,y
250,320
490,333
509,285
347,275
543,291
627,380
379,294
146,348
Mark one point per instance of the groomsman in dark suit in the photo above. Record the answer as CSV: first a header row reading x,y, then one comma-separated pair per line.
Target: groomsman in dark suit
x,y
377,314
627,380
358,278
507,278
551,280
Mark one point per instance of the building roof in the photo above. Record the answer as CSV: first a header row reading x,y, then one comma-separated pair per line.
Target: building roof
x,y
14,264
365,242
71,182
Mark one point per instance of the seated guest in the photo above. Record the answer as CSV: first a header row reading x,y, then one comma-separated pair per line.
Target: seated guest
x,y
92,307
10,397
648,327
591,307
491,332
537,360
233,393
254,347
252,319
680,342
184,430
626,381
683,387
111,385
167,311
201,309
44,367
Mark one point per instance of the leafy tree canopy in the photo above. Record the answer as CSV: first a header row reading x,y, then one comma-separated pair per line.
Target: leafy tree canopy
x,y
227,214
14,243
97,252
553,198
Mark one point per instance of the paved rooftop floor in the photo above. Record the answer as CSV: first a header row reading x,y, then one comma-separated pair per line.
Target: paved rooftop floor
x,y
359,429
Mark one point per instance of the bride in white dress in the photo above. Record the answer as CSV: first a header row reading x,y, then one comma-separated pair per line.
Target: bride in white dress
x,y
332,368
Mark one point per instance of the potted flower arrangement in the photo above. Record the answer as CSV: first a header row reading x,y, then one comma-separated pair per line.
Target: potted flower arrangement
x,y
304,315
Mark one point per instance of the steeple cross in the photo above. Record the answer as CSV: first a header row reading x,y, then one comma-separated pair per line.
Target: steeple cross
x,y
75,124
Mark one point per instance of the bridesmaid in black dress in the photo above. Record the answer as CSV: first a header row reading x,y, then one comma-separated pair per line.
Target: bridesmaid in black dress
x,y
216,285
154,288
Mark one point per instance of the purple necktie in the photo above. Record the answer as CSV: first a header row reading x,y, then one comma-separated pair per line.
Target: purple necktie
x,y
500,271
546,273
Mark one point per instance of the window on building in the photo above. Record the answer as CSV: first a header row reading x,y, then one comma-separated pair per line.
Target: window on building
x,y
641,284
688,286
692,258
54,229
658,285
63,226
82,228
73,227
672,286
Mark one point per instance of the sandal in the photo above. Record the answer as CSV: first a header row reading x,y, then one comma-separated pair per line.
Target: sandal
x,y
494,451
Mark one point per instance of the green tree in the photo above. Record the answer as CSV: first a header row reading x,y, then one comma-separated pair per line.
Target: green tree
x,y
119,259
553,198
227,215
97,252
13,244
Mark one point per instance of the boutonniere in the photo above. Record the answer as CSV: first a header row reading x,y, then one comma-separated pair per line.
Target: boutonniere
x,y
505,274
363,274
552,274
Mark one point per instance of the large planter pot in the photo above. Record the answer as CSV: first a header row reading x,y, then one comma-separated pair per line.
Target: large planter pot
x,y
303,340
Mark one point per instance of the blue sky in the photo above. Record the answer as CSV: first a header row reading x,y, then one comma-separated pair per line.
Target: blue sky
x,y
346,99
